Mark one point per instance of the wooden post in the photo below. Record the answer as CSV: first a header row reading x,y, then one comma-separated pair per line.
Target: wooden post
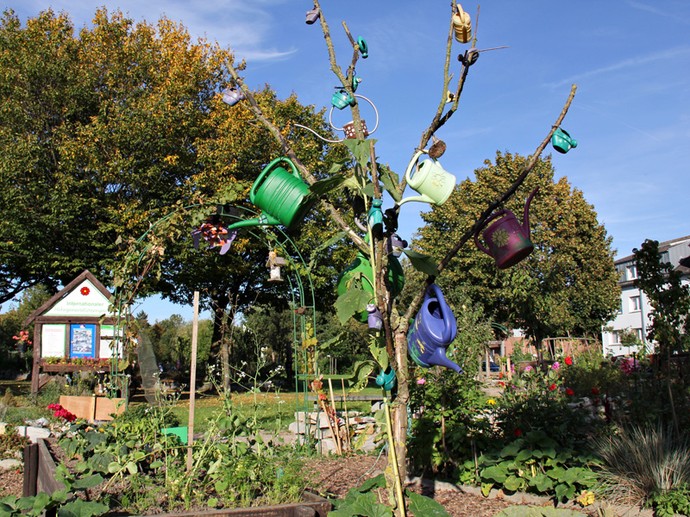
x,y
192,383
509,367
30,469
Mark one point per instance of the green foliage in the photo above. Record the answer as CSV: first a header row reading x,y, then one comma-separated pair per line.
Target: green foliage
x,y
671,502
668,296
534,463
361,501
12,443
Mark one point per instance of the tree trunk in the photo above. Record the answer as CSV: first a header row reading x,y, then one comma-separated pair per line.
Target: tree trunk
x,y
402,399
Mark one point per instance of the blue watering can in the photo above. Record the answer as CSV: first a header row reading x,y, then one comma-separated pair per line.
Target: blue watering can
x,y
433,330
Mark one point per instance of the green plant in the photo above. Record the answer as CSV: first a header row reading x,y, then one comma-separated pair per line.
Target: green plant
x,y
644,463
534,463
671,502
362,501
12,443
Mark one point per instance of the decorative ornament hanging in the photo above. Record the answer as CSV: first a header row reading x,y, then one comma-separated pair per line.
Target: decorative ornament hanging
x,y
562,141
232,96
462,25
274,263
313,14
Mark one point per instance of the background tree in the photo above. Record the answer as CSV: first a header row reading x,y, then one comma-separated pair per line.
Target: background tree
x,y
567,286
97,136
669,298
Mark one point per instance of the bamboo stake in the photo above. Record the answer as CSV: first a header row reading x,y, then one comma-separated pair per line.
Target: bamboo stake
x,y
192,383
347,419
330,426
335,416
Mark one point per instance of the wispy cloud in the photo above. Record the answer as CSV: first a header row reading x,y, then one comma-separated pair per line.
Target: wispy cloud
x,y
659,12
664,55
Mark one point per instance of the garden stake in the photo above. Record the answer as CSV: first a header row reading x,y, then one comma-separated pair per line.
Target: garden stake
x,y
192,383
335,415
330,426
394,456
347,419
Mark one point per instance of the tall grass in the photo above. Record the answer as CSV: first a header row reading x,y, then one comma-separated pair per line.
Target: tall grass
x,y
642,461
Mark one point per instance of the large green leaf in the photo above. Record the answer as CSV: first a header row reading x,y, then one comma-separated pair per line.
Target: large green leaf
x,y
360,149
88,481
81,508
351,302
422,262
542,483
513,483
494,473
422,505
361,372
390,181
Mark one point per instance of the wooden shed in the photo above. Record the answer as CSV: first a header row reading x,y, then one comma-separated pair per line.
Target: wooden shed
x,y
74,330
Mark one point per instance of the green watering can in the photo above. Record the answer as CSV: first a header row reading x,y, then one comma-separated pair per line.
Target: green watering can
x,y
280,194
361,266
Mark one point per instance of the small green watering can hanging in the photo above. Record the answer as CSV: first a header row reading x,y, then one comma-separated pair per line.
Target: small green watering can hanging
x,y
280,194
562,141
433,183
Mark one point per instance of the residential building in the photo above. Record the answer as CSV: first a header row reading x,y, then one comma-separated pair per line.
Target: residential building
x,y
634,312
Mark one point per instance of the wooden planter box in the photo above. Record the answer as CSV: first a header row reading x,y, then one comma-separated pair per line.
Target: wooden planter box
x,y
93,408
39,476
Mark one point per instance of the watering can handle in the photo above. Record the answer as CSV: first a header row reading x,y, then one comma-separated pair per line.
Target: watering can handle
x,y
448,324
479,230
525,216
413,162
268,169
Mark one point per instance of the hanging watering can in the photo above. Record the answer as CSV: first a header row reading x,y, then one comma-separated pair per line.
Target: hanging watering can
x,y
280,194
386,379
508,241
462,25
374,318
361,267
434,328
562,141
434,184
313,15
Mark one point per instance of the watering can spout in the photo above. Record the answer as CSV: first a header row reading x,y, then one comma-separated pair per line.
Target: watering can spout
x,y
439,359
262,220
525,215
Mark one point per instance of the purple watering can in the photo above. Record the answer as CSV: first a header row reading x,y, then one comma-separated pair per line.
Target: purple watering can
x,y
433,330
507,241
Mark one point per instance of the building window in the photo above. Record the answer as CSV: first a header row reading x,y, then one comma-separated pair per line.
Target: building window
x,y
635,304
640,337
631,272
620,307
616,337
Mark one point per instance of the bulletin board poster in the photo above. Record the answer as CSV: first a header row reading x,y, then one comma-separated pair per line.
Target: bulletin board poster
x,y
82,340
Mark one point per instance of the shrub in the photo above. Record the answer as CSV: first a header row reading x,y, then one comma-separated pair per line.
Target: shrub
x,y
642,463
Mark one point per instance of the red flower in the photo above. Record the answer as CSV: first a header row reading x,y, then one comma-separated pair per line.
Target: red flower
x,y
552,387
569,361
517,432
595,391
85,291
569,392
502,384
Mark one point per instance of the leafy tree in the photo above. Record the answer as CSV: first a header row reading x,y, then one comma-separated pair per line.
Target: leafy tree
x,y
669,298
568,285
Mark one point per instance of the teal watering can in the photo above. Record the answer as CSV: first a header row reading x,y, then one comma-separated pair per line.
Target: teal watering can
x,y
361,267
562,141
433,330
280,194
431,181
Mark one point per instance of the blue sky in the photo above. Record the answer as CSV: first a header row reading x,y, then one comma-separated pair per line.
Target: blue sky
x,y
629,59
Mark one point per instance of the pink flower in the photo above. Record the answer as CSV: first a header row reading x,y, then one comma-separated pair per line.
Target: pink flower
x,y
569,361
556,365
528,368
421,381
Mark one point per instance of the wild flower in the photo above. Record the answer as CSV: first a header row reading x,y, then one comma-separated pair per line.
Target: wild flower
x,y
553,387
569,361
491,402
528,368
556,365
569,392
421,381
